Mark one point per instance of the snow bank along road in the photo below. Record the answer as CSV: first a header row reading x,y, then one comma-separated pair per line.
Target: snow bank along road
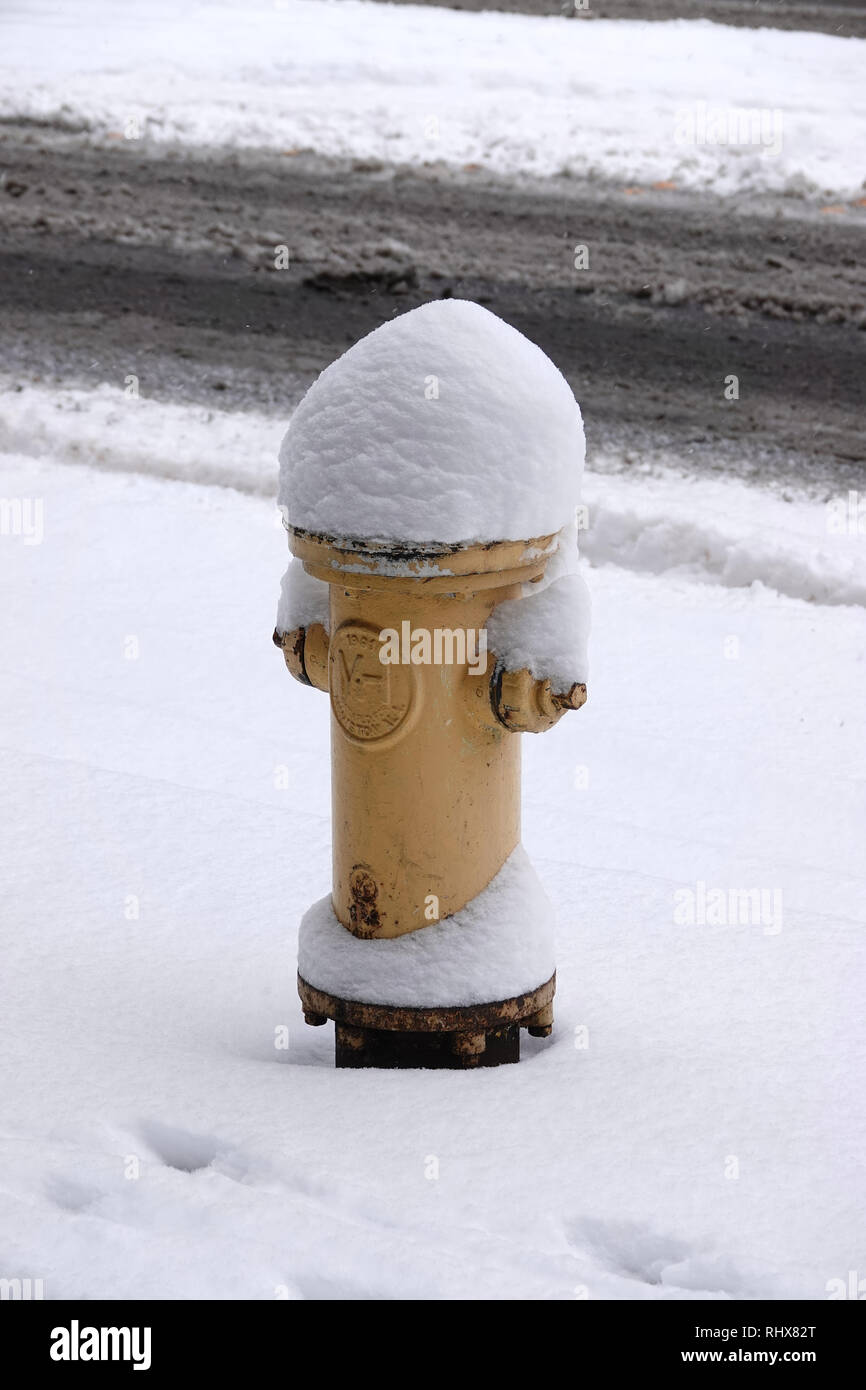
x,y
515,93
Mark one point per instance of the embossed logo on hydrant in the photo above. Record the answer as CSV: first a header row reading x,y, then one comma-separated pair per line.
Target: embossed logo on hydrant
x,y
369,700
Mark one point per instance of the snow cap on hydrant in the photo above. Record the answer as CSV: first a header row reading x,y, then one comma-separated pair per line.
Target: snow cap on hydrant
x,y
430,479
443,425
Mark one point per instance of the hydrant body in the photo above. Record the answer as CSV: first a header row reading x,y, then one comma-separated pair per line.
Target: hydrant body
x,y
425,779
434,947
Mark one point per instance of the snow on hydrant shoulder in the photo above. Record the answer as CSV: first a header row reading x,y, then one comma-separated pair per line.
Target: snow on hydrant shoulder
x,y
430,481
444,425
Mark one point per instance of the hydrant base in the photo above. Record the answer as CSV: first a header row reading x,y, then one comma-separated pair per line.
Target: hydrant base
x,y
458,1038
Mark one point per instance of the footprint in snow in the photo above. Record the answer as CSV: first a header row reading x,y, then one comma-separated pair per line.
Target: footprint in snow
x,y
192,1153
633,1250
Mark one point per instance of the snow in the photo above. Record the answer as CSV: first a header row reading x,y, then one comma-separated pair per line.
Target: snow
x,y
169,1128
304,600
652,519
443,425
109,428
166,824
500,944
545,632
727,533
629,101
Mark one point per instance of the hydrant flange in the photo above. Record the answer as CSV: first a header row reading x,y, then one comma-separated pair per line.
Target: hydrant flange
x,y
457,1038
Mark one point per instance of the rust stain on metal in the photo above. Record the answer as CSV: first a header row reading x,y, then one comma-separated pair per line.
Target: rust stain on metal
x,y
462,1037
292,646
363,909
473,1018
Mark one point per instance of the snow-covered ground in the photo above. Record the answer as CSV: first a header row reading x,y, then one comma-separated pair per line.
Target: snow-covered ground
x,y
624,100
695,1126
693,1129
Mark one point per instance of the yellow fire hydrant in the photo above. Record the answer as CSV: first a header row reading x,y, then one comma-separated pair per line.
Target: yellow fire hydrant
x,y
425,759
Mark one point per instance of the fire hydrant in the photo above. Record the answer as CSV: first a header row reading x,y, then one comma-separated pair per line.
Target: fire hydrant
x,y
425,784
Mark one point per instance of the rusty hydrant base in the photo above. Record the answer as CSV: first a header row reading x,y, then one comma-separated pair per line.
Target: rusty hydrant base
x,y
458,1038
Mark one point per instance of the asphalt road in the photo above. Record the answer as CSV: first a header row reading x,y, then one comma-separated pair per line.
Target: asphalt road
x,y
847,18
116,262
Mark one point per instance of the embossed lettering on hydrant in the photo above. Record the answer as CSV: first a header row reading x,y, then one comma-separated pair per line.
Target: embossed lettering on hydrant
x,y
369,700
